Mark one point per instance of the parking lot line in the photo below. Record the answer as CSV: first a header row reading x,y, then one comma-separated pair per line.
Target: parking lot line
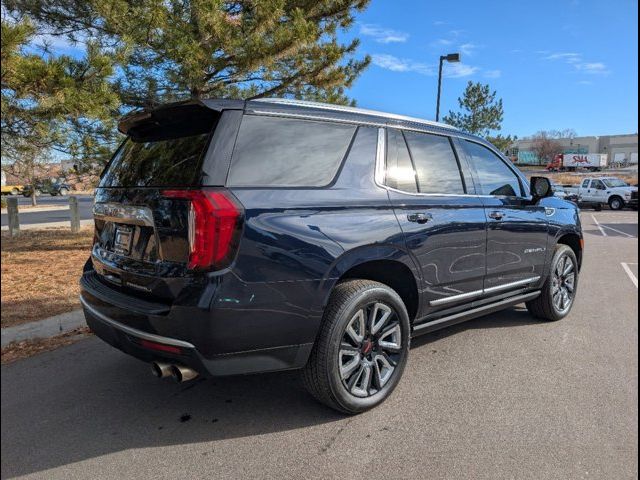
x,y
630,273
604,234
618,231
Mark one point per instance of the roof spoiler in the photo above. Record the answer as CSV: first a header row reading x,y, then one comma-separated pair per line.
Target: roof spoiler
x,y
139,117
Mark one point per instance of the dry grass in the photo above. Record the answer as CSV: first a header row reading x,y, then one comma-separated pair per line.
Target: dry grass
x,y
40,273
17,350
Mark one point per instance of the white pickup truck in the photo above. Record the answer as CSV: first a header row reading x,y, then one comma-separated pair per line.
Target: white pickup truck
x,y
605,190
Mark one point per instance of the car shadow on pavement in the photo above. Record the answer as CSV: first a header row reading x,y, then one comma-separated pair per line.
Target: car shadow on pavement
x,y
88,400
513,317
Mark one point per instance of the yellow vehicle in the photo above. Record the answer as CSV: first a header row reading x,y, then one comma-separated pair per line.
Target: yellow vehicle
x,y
10,189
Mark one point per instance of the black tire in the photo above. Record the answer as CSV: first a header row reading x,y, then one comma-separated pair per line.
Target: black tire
x,y
14,191
544,307
616,203
322,375
63,192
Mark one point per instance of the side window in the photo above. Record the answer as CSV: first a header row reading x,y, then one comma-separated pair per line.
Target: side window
x,y
597,184
585,184
284,152
495,177
399,172
436,166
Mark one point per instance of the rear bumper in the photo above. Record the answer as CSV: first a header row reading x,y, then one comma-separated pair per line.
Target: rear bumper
x,y
130,340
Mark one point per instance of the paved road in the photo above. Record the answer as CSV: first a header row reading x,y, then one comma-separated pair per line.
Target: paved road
x,y
498,397
85,204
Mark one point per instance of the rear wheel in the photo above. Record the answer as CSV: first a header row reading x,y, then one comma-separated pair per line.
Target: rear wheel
x,y
616,203
14,191
558,293
63,192
362,347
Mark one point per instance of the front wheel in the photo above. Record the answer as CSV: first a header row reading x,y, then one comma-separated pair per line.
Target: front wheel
x,y
362,347
559,291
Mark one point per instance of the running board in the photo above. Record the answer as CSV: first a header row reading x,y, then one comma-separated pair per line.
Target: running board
x,y
473,313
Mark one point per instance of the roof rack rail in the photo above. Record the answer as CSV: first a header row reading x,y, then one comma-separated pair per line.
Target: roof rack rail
x,y
342,108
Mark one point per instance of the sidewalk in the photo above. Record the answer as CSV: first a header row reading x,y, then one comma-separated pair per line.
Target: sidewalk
x,y
43,226
49,327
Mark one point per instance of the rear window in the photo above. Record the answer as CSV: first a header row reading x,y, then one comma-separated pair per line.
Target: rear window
x,y
159,163
284,152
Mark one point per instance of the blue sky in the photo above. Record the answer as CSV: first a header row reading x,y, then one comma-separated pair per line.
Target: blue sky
x,y
556,64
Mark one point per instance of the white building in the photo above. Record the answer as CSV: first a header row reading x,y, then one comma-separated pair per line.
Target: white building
x,y
621,149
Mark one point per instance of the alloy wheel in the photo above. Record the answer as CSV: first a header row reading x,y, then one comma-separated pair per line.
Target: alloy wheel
x,y
563,284
370,349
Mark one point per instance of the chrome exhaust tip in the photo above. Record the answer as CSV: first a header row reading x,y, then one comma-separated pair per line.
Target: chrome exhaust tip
x,y
181,373
161,369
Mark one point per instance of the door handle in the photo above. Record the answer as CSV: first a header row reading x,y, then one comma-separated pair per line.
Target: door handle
x,y
496,215
419,217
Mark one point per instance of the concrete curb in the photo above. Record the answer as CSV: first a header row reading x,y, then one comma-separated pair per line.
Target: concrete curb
x,y
49,327
44,226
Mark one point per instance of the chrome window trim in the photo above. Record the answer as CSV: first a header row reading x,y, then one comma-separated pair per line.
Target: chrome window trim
x,y
484,291
134,331
381,155
380,169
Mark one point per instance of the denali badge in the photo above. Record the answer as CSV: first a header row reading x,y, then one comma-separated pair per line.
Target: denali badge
x,y
534,250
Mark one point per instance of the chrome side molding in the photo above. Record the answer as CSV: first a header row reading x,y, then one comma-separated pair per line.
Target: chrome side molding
x,y
484,291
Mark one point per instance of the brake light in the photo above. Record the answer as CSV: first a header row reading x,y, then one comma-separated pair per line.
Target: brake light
x,y
214,219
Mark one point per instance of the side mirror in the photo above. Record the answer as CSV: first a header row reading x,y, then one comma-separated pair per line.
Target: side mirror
x,y
541,187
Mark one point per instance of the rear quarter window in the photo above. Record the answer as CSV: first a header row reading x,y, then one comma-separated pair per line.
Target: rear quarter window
x,y
157,163
285,152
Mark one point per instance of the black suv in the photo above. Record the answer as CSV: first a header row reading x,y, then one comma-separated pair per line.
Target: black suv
x,y
236,237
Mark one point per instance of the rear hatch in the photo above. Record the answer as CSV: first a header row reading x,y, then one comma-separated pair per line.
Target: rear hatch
x,y
158,228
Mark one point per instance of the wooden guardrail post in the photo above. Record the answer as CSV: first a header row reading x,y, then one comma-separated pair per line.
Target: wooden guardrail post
x,y
12,213
74,214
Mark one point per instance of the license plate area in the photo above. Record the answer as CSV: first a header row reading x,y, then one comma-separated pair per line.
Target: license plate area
x,y
122,239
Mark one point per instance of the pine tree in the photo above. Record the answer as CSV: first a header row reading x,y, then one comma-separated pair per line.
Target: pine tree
x,y
481,112
52,103
213,48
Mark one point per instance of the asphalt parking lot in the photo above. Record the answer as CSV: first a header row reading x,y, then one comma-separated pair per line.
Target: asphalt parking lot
x,y
499,397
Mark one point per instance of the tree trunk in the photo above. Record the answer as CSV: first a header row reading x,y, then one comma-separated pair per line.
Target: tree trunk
x,y
34,200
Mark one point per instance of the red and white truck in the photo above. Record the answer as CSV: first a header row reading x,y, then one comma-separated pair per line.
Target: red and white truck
x,y
572,161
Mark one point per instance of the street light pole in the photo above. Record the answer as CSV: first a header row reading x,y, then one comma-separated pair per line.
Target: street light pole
x,y
451,57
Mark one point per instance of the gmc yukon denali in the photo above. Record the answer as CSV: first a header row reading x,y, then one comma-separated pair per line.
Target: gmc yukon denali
x,y
236,237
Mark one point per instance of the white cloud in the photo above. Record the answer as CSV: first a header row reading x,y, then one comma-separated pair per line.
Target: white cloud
x,y
439,23
457,70
395,64
492,74
468,48
442,42
383,35
451,70
585,82
567,57
576,60
594,68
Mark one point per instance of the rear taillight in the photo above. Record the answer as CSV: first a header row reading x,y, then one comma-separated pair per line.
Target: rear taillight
x,y
214,222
